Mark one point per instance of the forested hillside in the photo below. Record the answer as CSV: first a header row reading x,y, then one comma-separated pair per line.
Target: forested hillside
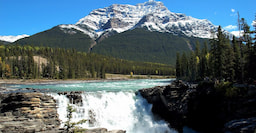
x,y
143,45
137,45
30,62
56,38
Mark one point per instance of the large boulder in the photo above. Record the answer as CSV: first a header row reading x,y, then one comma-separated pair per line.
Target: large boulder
x,y
74,97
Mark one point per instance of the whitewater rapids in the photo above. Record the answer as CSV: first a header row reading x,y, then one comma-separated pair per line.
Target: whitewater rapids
x,y
114,111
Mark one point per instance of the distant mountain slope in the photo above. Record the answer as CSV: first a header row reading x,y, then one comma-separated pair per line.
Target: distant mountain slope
x,y
4,42
143,32
143,45
56,37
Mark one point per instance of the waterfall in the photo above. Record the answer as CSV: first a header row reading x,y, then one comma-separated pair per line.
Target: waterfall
x,y
108,104
113,110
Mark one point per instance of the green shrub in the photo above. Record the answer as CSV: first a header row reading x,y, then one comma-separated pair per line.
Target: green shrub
x,y
222,87
70,125
235,92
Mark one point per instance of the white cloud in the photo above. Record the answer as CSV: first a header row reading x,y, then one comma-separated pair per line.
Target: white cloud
x,y
12,38
233,12
254,23
230,27
237,33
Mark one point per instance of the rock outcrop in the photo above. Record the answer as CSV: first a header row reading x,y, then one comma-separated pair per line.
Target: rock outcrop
x,y
74,97
241,126
170,102
203,108
27,112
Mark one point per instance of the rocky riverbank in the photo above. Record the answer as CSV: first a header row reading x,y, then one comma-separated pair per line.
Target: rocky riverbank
x,y
32,110
27,112
204,108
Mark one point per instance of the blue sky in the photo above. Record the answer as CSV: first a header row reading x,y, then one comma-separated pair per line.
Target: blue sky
x,y
32,16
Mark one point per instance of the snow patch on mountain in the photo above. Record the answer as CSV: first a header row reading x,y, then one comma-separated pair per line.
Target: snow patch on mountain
x,y
78,28
12,38
152,14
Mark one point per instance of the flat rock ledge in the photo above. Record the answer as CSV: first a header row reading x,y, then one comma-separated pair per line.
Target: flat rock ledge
x,y
27,112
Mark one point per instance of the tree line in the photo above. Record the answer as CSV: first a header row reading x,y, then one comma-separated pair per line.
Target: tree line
x,y
33,62
230,60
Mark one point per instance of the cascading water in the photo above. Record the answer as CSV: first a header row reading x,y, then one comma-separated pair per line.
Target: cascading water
x,y
114,110
111,105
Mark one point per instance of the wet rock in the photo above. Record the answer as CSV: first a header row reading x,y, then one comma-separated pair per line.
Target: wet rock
x,y
170,102
241,126
74,97
103,130
202,107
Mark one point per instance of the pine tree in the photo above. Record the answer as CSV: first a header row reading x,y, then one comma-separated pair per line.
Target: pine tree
x,y
237,59
218,56
230,71
253,70
178,66
184,66
192,67
197,50
204,62
103,71
249,52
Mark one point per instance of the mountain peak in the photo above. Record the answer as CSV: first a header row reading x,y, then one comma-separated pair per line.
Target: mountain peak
x,y
152,3
151,14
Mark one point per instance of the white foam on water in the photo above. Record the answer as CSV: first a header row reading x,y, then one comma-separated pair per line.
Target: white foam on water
x,y
113,110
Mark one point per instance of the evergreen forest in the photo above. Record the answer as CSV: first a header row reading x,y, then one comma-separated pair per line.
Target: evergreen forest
x,y
226,60
34,62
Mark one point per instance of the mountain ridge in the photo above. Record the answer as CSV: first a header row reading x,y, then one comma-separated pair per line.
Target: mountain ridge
x,y
104,31
152,15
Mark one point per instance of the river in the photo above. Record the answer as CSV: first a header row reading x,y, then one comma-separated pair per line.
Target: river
x,y
109,104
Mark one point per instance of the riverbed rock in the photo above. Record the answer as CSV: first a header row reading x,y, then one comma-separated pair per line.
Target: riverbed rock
x,y
170,102
241,126
27,112
202,107
74,97
103,130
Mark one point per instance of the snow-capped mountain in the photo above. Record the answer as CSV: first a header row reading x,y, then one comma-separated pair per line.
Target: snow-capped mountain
x,y
152,15
12,38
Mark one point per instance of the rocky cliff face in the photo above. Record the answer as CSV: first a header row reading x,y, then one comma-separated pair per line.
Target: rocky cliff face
x,y
170,102
27,112
202,108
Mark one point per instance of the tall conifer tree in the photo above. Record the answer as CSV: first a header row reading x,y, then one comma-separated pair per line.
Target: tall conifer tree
x,y
178,65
